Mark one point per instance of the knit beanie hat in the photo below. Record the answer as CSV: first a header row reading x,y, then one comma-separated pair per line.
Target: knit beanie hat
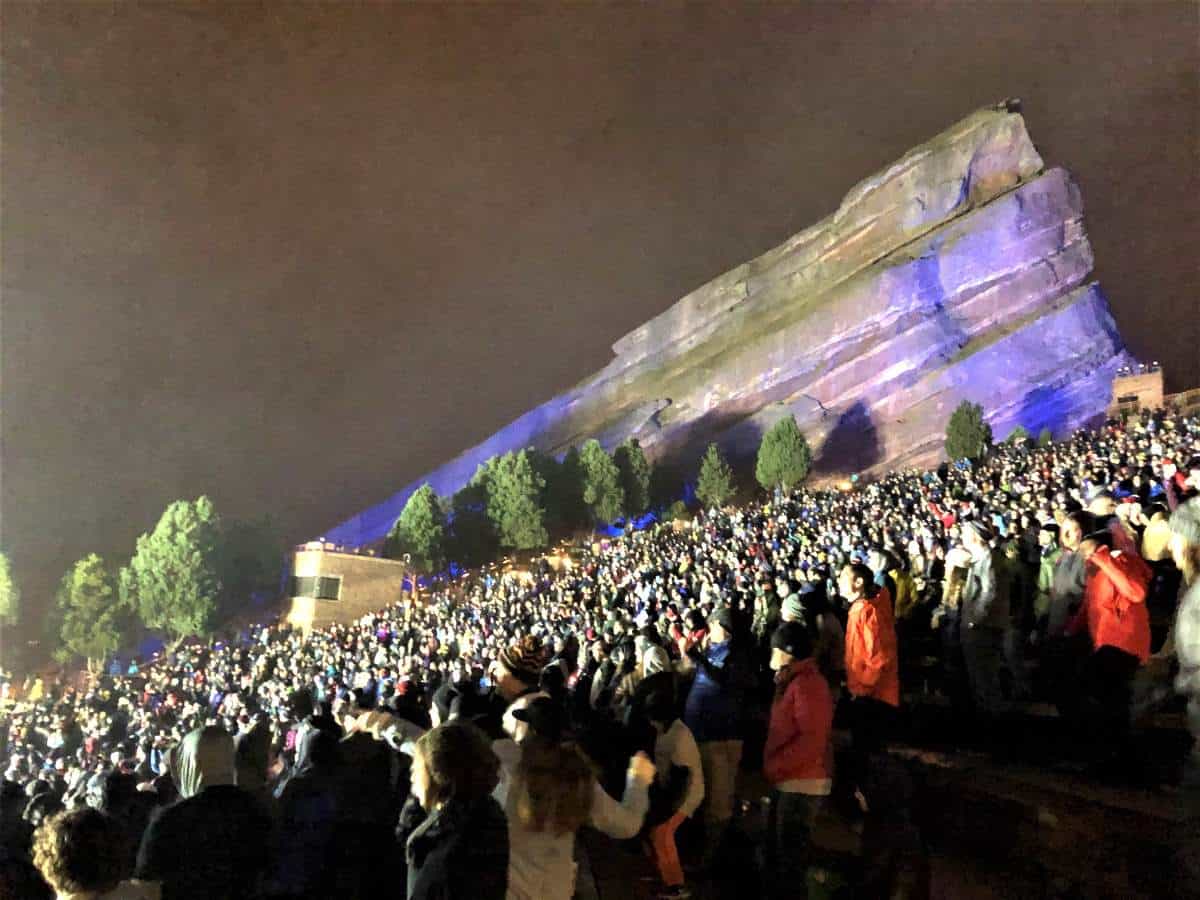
x,y
793,609
793,639
1185,521
524,659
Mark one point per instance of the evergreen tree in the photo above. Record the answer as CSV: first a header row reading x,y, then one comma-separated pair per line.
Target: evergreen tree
x,y
514,501
635,473
715,484
1045,438
562,498
968,435
566,492
783,456
602,491
10,594
251,562
472,538
93,618
420,531
175,572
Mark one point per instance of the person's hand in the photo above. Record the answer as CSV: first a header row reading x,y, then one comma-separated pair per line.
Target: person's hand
x,y
642,769
1087,547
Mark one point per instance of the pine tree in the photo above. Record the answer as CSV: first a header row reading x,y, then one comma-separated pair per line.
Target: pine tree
x,y
419,531
472,538
783,456
1045,438
514,501
175,572
968,435
93,618
715,483
602,491
635,473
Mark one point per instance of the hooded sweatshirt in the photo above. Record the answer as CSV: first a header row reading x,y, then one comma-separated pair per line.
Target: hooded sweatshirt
x,y
212,843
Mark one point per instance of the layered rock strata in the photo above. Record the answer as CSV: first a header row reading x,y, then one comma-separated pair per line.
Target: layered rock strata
x,y
959,271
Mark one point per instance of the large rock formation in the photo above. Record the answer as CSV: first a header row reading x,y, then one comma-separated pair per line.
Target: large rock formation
x,y
959,271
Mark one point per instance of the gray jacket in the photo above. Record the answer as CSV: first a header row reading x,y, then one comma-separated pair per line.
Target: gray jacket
x,y
1066,590
984,596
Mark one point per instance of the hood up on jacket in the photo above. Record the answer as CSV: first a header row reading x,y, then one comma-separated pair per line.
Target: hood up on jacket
x,y
205,759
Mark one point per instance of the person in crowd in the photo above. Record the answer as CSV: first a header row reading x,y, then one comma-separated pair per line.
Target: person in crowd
x,y
678,788
548,793
1049,553
985,619
305,837
714,710
811,606
516,674
627,597
872,660
1184,546
797,758
1114,614
455,834
81,855
213,842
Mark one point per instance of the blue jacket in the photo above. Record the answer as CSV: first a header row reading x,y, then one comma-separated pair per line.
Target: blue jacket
x,y
716,701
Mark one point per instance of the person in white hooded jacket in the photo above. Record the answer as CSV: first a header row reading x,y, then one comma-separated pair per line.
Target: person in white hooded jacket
x,y
548,792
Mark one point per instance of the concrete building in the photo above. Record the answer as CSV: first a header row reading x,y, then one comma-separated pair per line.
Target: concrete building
x,y
330,584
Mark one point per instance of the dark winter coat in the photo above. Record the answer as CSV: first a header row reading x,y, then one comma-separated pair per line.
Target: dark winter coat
x,y
460,851
716,701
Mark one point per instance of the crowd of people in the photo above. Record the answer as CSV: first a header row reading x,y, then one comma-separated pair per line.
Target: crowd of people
x,y
457,747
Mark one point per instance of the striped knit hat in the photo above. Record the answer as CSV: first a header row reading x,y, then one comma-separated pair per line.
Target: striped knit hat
x,y
524,659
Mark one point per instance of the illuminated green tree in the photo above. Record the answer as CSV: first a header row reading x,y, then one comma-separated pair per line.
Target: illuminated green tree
x,y
635,472
94,619
420,531
175,573
783,456
714,485
602,491
968,435
514,500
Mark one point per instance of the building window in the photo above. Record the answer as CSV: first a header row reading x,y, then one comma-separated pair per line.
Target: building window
x,y
1128,398
317,587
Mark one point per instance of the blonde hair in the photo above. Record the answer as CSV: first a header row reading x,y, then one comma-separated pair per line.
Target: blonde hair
x,y
552,787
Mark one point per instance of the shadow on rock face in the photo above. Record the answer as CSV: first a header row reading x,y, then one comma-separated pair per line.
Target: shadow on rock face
x,y
852,446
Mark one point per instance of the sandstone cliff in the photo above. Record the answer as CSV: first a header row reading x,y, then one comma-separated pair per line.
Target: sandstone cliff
x,y
959,271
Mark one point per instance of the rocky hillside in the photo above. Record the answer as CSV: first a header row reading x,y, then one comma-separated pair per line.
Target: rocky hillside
x,y
959,271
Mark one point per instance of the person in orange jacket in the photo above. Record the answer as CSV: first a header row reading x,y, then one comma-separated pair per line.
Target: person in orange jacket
x,y
872,662
1114,613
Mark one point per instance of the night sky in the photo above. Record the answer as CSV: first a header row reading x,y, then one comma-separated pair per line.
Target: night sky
x,y
295,256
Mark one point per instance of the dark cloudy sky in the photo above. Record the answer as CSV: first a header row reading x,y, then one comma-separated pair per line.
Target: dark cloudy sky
x,y
293,256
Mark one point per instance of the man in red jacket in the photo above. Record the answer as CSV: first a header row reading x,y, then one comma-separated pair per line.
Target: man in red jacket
x,y
797,758
1114,613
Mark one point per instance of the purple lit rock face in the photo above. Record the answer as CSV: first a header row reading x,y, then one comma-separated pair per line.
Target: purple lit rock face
x,y
959,271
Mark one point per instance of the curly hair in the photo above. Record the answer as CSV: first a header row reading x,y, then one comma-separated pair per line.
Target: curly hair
x,y
80,850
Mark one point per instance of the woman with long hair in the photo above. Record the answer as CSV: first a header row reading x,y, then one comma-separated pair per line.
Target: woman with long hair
x,y
458,846
549,792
